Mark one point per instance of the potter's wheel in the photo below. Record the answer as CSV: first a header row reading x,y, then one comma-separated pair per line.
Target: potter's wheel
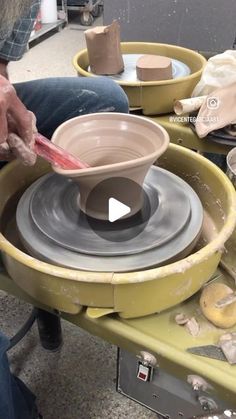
x,y
179,69
53,228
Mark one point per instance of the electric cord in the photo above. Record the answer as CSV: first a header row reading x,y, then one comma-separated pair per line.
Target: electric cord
x,y
24,329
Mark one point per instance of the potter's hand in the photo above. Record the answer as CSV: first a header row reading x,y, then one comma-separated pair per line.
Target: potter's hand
x,y
16,126
14,147
3,68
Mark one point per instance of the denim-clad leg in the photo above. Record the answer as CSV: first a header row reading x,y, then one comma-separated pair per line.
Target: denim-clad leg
x,y
16,400
55,100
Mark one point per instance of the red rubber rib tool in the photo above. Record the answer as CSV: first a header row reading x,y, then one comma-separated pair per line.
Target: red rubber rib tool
x,y
56,155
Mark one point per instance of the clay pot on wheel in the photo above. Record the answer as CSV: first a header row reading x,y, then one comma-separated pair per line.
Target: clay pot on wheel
x,y
115,146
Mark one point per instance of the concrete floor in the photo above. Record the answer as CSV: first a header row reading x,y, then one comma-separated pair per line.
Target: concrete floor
x,y
78,382
52,56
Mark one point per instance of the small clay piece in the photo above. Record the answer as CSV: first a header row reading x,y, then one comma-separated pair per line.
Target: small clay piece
x,y
224,316
181,319
227,343
153,68
104,50
193,327
226,301
190,324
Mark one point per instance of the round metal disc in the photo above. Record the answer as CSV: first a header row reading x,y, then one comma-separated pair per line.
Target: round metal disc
x,y
59,217
43,248
179,69
218,136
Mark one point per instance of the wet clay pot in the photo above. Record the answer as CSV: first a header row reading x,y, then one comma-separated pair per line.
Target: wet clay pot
x,y
115,146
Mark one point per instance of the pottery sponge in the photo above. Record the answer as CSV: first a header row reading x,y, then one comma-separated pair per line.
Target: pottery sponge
x,y
224,316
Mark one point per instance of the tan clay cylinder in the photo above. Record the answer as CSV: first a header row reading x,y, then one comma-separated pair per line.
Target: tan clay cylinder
x,y
153,68
192,104
104,50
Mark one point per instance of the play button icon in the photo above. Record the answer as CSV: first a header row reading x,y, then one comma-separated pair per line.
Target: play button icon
x,y
117,210
122,220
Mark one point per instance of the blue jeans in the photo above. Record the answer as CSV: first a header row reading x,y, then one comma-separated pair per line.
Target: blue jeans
x,y
53,101
16,400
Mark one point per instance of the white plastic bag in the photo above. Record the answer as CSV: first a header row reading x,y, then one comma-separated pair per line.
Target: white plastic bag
x,y
220,71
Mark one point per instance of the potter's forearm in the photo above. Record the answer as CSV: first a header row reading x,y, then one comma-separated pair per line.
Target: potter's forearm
x,y
3,68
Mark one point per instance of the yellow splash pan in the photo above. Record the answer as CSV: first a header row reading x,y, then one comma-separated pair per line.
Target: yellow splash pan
x,y
132,294
155,97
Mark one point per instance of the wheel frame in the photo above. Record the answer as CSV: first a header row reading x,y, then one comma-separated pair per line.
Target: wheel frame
x,y
86,19
97,10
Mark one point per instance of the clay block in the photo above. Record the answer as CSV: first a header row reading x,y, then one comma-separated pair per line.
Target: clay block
x,y
104,50
153,68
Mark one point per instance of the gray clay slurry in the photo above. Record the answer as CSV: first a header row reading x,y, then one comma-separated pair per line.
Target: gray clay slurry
x,y
60,219
153,249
